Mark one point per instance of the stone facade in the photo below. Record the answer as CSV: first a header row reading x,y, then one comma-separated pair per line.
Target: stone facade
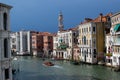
x,y
5,53
92,38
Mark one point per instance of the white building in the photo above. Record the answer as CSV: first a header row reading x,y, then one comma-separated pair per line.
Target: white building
x,y
5,53
13,42
109,49
68,38
22,42
55,42
115,33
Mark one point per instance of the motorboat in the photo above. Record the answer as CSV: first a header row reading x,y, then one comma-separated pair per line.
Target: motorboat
x,y
48,63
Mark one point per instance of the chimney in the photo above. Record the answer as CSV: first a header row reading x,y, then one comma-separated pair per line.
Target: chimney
x,y
88,19
101,15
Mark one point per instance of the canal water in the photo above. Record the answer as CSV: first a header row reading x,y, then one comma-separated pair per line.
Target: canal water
x,y
32,68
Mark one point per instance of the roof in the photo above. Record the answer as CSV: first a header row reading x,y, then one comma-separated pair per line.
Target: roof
x,y
98,19
70,29
5,5
43,33
115,14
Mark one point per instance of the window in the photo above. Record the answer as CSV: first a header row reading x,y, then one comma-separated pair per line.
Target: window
x,y
80,31
84,40
5,21
93,29
94,43
114,59
5,48
78,51
86,29
73,34
13,40
89,28
74,40
6,74
90,53
14,46
90,42
94,52
33,42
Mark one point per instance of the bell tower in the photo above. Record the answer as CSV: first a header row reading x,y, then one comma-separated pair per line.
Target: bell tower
x,y
60,22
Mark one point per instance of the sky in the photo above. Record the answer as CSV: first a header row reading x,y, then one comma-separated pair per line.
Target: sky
x,y
42,15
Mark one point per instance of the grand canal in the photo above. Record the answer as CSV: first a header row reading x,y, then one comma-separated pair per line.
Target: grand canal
x,y
32,68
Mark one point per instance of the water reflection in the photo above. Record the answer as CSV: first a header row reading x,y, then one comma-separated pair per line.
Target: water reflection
x,y
57,66
32,68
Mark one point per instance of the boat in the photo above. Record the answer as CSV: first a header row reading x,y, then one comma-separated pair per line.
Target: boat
x,y
101,63
75,62
48,63
117,69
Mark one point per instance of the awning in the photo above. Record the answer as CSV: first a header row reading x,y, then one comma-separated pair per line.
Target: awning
x,y
116,28
63,46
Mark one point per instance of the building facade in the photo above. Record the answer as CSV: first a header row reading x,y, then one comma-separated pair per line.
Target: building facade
x,y
21,42
115,34
64,42
87,42
42,43
92,38
37,43
5,53
47,44
13,42
109,49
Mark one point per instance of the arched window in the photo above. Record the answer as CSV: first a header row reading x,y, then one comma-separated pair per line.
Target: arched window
x,y
78,51
5,21
84,40
5,48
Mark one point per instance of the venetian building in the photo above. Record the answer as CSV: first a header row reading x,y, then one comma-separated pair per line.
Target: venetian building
x,y
5,53
23,42
42,43
64,41
47,43
92,38
115,39
37,43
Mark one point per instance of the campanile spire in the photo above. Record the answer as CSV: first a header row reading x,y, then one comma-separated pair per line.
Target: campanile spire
x,y
60,22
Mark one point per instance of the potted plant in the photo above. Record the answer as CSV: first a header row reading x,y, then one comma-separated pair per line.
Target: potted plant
x,y
109,54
